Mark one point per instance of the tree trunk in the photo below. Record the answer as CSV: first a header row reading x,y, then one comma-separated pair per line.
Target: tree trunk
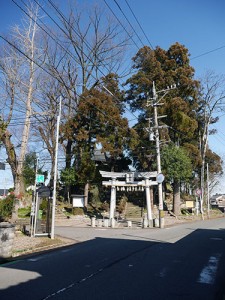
x,y
19,185
176,197
68,153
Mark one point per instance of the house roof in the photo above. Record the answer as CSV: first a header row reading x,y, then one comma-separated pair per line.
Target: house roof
x,y
3,192
217,196
100,156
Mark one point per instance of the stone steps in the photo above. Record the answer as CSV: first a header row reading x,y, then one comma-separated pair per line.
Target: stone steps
x,y
133,211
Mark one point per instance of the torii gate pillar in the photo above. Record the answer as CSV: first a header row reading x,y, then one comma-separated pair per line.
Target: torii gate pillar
x,y
112,201
148,202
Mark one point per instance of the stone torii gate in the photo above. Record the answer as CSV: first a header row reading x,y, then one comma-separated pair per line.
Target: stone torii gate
x,y
132,180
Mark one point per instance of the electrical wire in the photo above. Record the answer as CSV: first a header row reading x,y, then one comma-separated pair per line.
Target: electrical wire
x,y
139,24
47,30
86,43
57,78
47,70
208,52
66,34
134,31
121,24
129,22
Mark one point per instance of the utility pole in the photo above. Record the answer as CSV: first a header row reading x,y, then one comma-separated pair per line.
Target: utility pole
x,y
55,172
156,127
34,200
158,157
208,196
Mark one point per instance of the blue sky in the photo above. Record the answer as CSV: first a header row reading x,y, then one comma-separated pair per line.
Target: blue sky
x,y
197,24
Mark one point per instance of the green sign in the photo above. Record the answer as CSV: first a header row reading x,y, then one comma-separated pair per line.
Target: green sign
x,y
40,178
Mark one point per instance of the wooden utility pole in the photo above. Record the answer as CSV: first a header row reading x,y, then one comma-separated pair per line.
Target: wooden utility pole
x,y
155,104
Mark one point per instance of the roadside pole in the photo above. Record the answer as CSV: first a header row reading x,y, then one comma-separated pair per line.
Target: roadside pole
x,y
55,172
158,157
156,127
208,196
34,200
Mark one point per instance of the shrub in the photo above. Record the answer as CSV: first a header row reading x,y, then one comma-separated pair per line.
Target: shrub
x,y
78,211
105,206
6,207
44,204
24,212
121,204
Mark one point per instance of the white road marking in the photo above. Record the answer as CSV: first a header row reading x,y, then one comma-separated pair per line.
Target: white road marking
x,y
36,259
208,273
72,285
216,239
66,250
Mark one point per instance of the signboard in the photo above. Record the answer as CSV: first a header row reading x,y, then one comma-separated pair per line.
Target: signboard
x,y
160,178
198,192
40,178
78,200
189,204
129,177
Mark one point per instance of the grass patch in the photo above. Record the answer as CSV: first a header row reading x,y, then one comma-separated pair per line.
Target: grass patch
x,y
49,242
24,212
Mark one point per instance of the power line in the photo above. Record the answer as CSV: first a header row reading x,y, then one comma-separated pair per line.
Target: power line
x,y
121,24
86,43
139,24
129,22
29,58
64,18
43,67
208,52
20,51
111,94
42,28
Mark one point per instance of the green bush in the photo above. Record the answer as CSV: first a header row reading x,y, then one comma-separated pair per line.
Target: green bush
x,y
78,211
24,212
44,204
6,207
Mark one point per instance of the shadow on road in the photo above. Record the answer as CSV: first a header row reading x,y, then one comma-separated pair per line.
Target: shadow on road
x,y
122,268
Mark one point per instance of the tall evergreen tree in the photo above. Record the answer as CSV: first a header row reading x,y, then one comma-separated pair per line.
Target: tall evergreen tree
x,y
99,121
180,105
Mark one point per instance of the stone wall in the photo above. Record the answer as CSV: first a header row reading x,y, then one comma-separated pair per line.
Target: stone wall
x,y
7,233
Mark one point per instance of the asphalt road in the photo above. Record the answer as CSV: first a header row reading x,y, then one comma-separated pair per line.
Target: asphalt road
x,y
182,262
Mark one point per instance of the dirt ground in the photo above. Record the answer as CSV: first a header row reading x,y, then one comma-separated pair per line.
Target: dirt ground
x,y
24,244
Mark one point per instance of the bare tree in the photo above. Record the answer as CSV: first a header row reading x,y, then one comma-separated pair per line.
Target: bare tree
x,y
212,94
95,42
88,45
18,85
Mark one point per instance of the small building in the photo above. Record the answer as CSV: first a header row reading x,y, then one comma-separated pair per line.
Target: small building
x,y
100,157
217,199
3,193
